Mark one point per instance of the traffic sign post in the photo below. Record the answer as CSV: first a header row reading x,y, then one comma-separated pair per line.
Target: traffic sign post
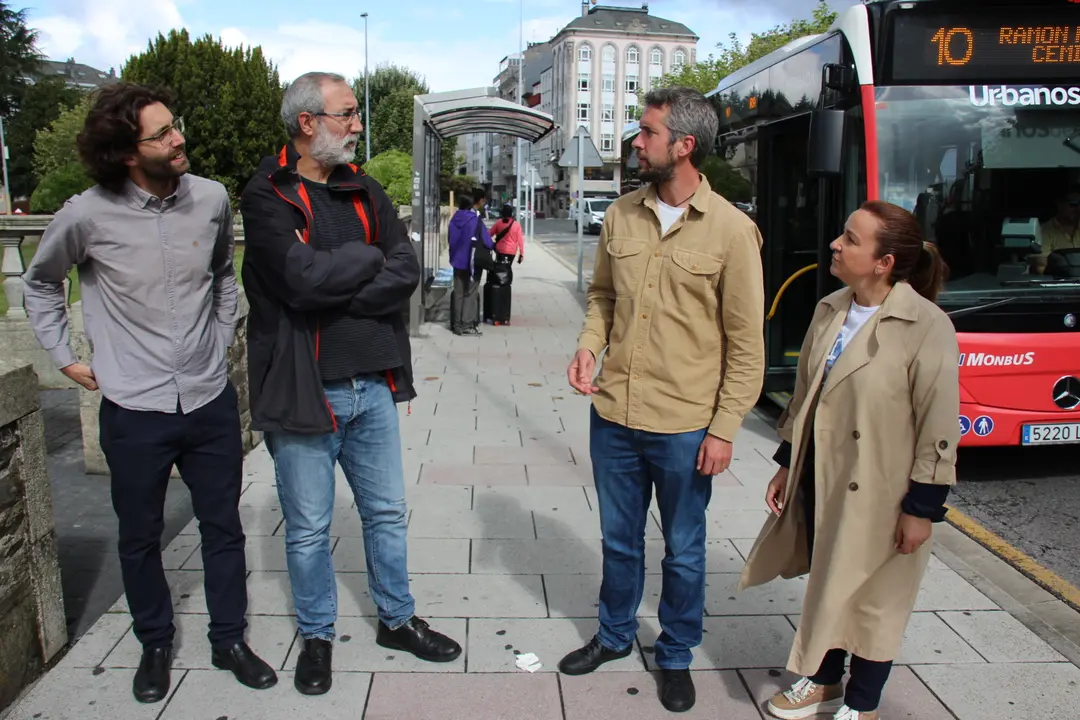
x,y
582,154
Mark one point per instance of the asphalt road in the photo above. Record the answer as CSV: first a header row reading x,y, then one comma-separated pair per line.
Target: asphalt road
x,y
1030,497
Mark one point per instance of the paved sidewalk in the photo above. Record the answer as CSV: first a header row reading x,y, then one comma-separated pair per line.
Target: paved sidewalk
x,y
505,556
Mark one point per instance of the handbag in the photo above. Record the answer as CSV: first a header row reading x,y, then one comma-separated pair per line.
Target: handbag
x,y
483,258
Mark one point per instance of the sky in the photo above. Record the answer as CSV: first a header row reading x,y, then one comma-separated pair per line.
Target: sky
x,y
452,46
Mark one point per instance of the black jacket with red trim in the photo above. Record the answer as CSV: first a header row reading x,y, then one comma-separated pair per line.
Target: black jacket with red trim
x,y
289,281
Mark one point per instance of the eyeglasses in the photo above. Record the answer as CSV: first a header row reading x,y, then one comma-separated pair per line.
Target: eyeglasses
x,y
177,125
347,116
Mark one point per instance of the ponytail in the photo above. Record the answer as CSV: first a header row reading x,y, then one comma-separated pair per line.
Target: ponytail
x,y
929,273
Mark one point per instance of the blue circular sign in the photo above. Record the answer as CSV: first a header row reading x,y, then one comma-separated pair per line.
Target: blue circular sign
x,y
983,425
965,425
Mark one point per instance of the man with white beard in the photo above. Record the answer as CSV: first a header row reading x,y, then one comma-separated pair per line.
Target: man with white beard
x,y
328,268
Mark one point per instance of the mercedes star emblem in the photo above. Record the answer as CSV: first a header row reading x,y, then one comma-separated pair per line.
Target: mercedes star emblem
x,y
1067,392
1070,321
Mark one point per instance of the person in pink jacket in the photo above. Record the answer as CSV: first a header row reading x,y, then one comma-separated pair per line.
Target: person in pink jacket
x,y
508,242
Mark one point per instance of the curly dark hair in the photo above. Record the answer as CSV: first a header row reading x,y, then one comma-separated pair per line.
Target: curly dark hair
x,y
111,130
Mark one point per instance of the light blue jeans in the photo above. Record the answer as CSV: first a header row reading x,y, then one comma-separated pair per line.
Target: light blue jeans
x,y
368,446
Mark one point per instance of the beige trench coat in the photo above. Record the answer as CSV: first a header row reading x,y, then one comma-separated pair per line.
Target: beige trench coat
x,y
887,415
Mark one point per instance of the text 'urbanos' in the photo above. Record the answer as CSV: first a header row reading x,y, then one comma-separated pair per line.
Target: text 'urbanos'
x,y
984,95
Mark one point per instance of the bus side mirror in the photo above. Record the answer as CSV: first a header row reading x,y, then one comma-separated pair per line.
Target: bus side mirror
x,y
825,153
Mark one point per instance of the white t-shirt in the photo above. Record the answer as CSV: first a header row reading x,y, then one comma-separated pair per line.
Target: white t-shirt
x,y
668,214
856,317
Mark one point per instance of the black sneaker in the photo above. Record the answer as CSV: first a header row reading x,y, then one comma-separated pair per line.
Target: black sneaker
x,y
417,637
313,667
677,692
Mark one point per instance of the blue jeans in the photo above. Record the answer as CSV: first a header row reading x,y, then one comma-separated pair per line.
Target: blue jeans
x,y
626,465
368,446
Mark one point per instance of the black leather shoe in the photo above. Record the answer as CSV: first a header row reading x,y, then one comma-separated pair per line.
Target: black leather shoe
x,y
677,690
151,682
417,637
590,657
248,667
313,667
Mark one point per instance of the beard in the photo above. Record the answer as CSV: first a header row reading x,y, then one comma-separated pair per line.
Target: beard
x,y
657,173
331,151
163,168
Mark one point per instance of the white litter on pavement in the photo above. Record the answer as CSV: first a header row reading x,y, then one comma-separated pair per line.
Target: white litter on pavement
x,y
528,661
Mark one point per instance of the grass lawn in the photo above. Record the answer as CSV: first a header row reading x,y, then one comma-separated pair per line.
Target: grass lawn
x,y
28,250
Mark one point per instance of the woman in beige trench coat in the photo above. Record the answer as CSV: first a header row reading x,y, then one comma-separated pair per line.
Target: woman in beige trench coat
x,y
867,459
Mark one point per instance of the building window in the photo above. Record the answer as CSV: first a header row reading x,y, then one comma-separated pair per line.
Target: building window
x,y
609,83
585,54
609,113
609,54
632,56
607,143
583,112
678,61
583,82
656,58
631,83
631,113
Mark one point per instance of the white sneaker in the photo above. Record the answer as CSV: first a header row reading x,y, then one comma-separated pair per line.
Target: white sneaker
x,y
806,699
846,713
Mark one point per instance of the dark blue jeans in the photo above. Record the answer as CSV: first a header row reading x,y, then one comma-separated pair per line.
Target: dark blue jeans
x,y
626,465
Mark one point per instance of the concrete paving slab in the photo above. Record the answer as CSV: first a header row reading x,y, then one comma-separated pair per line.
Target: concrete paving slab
x,y
905,696
537,454
179,551
468,474
551,499
736,523
577,475
187,592
261,553
1006,691
946,590
216,694
451,497
779,597
731,642
269,636
999,637
424,556
583,524
97,642
636,696
263,520
437,523
85,694
576,596
536,557
473,596
355,649
493,642
502,696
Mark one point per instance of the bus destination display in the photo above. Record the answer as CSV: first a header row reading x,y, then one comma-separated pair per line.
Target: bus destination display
x,y
986,46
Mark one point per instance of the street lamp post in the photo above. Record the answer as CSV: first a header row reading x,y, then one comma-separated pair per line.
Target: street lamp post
x,y
367,95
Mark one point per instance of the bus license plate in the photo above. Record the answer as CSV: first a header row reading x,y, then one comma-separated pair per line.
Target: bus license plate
x,y
1050,434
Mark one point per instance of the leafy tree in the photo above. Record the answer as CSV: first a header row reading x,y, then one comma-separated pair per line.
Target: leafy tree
x,y
58,169
39,106
392,89
726,180
19,56
707,74
393,170
230,99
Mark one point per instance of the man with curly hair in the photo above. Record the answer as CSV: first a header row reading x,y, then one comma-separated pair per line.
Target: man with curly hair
x,y
154,249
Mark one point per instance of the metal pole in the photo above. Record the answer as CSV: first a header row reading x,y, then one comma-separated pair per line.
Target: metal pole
x,y
3,157
519,189
367,95
580,205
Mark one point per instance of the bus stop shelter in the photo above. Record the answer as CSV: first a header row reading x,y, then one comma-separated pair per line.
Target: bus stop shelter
x,y
438,117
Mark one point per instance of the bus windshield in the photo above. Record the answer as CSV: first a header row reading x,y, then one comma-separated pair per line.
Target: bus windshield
x,y
991,173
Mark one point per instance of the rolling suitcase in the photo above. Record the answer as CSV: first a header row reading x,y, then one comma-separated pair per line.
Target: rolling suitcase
x,y
496,304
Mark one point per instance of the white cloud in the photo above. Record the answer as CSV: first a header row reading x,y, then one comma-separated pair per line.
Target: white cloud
x,y
104,33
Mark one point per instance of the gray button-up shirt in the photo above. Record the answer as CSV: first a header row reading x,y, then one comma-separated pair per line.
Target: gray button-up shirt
x,y
159,292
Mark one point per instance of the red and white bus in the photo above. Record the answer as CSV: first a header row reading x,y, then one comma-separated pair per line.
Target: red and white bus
x,y
967,113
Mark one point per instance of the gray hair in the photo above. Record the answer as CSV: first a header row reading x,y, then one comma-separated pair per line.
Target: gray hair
x,y
305,95
689,114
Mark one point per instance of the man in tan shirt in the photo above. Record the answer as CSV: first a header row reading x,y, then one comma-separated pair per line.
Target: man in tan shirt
x,y
677,300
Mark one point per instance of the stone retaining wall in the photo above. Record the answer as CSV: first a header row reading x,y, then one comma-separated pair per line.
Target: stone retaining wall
x,y
32,623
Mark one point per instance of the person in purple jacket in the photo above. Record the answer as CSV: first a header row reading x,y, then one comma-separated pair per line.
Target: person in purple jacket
x,y
466,231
